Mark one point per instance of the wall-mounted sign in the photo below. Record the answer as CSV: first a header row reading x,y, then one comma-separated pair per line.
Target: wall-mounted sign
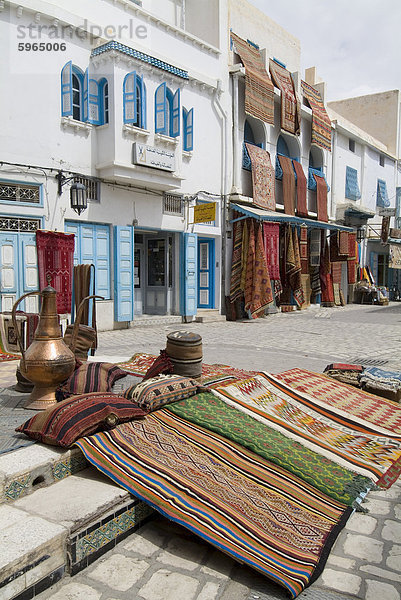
x,y
387,212
150,156
395,233
203,213
394,260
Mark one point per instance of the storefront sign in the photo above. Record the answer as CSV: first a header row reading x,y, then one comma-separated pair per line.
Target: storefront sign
x,y
395,233
387,212
150,156
203,213
394,259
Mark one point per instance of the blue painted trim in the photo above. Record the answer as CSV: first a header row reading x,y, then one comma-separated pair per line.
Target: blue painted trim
x,y
276,60
155,62
14,203
381,194
66,89
161,110
211,271
312,185
351,184
188,129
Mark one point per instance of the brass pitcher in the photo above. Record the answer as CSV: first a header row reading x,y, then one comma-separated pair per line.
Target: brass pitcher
x,y
48,361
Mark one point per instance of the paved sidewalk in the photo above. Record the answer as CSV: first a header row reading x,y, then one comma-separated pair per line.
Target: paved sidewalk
x,y
163,561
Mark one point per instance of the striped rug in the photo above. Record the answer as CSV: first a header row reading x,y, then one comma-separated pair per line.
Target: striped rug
x,y
255,511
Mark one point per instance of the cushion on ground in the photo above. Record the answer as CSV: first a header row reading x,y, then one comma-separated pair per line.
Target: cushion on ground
x,y
91,377
163,389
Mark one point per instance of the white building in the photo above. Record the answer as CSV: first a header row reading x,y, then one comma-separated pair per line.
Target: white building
x,y
126,98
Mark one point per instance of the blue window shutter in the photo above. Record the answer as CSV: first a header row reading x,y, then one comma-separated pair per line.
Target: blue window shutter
x,y
176,113
71,227
102,260
188,125
85,96
123,273
382,196
188,274
398,207
130,98
351,184
29,261
161,109
66,90
94,103
143,102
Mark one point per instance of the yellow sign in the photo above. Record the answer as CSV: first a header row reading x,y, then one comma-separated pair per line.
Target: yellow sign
x,y
205,212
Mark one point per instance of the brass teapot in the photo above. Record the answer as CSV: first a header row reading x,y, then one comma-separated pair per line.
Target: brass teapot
x,y
48,361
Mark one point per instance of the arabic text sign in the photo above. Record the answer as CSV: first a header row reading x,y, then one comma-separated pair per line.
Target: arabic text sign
x,y
150,156
203,213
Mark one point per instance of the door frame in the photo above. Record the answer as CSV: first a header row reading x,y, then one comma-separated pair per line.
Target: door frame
x,y
211,271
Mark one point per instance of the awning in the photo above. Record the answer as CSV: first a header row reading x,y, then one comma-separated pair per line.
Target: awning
x,y
269,215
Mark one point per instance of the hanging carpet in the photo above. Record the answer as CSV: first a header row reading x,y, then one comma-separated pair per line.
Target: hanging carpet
x,y
346,441
236,266
302,207
258,289
271,237
315,247
338,254
256,512
55,258
321,198
326,279
288,184
259,90
263,177
303,249
290,117
352,258
321,124
293,266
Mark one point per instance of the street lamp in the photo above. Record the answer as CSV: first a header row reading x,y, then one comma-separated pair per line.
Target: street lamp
x,y
360,234
78,198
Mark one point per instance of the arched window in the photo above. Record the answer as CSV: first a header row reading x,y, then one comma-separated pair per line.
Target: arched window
x,y
134,99
77,104
188,129
282,147
167,111
81,96
104,99
248,133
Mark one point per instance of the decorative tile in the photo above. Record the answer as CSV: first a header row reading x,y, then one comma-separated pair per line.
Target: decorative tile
x,y
17,488
69,466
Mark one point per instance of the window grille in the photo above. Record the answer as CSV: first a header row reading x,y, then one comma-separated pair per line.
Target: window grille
x,y
16,192
18,224
173,204
92,188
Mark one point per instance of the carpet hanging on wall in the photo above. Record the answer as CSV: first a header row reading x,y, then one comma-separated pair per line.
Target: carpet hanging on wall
x,y
321,198
263,177
302,207
55,258
258,289
321,124
293,266
288,184
325,276
303,249
352,257
259,90
235,285
290,117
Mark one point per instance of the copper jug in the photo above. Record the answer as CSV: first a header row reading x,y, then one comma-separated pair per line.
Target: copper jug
x,y
48,361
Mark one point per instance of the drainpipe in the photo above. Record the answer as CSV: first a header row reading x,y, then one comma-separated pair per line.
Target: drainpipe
x,y
333,174
223,188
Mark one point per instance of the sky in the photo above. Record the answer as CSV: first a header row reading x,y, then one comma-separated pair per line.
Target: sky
x,y
355,44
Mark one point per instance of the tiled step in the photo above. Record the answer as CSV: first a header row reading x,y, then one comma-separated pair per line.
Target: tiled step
x,y
151,320
61,529
208,316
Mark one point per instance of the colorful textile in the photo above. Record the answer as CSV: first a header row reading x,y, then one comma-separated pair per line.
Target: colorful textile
x,y
321,198
152,394
253,510
259,90
211,413
138,364
352,256
315,247
382,414
236,265
263,177
288,184
381,379
347,443
302,206
336,270
335,254
293,266
65,422
217,375
84,285
321,124
343,243
344,372
55,258
290,118
271,237
91,377
161,365
385,230
258,289
316,289
9,346
244,253
303,249
325,277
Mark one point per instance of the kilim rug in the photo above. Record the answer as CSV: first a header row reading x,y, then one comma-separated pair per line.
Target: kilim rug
x,y
293,266
343,243
244,253
352,256
263,177
258,289
321,198
259,90
55,258
314,247
236,266
315,283
290,119
303,249
321,124
252,510
335,254
343,440
271,238
211,413
138,364
325,276
340,398
336,269
302,206
288,184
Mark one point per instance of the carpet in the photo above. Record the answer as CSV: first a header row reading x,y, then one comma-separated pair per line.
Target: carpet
x,y
290,118
337,253
326,279
236,266
288,184
341,398
315,247
138,364
259,90
321,198
254,511
302,206
263,177
303,249
211,413
380,379
293,265
258,289
352,258
55,258
321,124
271,238
350,443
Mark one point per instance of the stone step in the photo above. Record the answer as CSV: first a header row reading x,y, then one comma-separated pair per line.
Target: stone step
x,y
206,315
61,529
152,320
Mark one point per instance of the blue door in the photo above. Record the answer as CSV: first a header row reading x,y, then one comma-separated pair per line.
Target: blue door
x,y
18,270
188,275
124,273
206,274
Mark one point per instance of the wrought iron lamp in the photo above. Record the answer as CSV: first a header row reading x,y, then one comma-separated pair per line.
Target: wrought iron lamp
x,y
360,234
78,197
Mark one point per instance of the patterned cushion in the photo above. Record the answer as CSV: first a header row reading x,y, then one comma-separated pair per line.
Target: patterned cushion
x,y
75,417
163,389
162,364
91,377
